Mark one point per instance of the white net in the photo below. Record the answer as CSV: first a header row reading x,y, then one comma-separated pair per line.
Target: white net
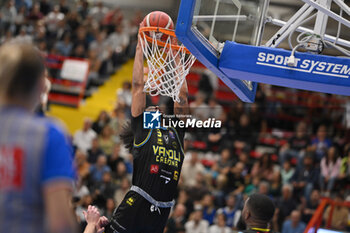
x,y
168,64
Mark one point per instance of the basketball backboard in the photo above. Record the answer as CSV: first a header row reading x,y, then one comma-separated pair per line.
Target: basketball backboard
x,y
205,25
225,35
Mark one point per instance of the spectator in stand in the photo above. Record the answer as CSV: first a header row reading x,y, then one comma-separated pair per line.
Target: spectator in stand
x,y
264,168
115,158
121,173
196,224
118,41
73,20
199,108
287,172
82,166
330,169
209,210
344,176
276,185
63,7
80,191
122,190
256,116
118,121
285,204
97,170
296,145
81,38
94,151
310,206
191,168
45,7
223,165
21,17
305,177
8,37
244,157
232,214
83,8
85,202
176,222
35,14
8,16
101,121
253,187
294,224
65,47
79,52
105,188
98,12
263,188
95,67
23,37
220,226
52,20
244,136
83,138
215,110
124,94
106,140
339,216
321,143
109,208
235,179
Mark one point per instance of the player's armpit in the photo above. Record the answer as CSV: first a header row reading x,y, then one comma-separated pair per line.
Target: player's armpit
x,y
57,201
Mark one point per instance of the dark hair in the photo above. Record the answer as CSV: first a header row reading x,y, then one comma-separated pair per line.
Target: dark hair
x,y
127,136
336,155
22,66
261,207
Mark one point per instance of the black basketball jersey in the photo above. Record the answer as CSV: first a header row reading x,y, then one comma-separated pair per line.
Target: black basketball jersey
x,y
158,157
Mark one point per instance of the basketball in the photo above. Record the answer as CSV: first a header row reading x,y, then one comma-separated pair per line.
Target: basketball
x,y
158,19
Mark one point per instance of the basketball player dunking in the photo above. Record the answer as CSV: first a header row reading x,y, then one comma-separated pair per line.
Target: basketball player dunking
x,y
158,157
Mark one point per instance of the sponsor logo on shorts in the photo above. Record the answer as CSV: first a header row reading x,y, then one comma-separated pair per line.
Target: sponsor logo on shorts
x,y
130,201
154,169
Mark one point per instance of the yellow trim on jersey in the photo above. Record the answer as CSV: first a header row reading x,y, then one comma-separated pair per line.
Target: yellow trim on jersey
x,y
260,229
144,141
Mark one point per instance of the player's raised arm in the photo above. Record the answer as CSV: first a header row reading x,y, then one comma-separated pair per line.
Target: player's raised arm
x,y
181,108
138,96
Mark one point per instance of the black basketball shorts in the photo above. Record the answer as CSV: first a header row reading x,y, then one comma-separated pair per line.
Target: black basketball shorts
x,y
136,215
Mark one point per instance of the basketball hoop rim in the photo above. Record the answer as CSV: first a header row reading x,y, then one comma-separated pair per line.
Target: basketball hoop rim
x,y
168,32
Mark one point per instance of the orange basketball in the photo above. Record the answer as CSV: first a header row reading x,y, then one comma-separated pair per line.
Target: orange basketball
x,y
158,19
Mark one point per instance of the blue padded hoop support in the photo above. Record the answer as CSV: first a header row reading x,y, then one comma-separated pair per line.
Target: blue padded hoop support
x,y
269,65
205,53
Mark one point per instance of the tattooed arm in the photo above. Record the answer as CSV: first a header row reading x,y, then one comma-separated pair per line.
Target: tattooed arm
x,y
181,108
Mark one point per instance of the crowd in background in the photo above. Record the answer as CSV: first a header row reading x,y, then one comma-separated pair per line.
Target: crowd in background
x,y
216,178
89,31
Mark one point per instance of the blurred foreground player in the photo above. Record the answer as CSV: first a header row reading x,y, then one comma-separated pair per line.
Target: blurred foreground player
x,y
36,173
158,157
257,213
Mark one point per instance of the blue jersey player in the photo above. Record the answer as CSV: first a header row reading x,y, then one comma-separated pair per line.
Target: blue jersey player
x,y
36,173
